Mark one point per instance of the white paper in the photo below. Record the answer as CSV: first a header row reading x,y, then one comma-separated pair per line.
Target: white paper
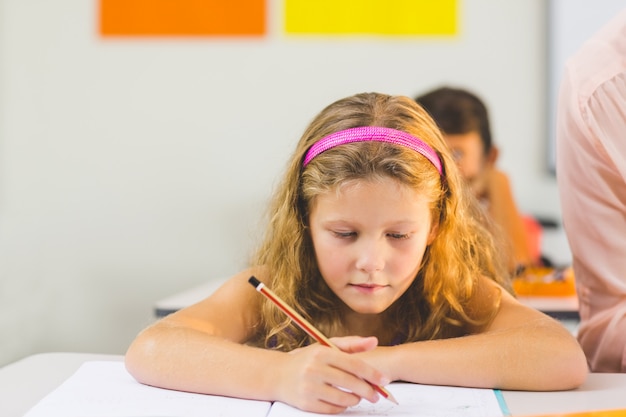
x,y
417,400
106,389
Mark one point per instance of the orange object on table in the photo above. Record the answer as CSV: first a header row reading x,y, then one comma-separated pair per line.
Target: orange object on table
x,y
542,281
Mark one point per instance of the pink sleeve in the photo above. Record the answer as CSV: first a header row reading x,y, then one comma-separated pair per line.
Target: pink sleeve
x,y
591,173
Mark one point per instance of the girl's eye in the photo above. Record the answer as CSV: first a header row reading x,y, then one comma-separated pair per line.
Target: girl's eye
x,y
398,236
344,234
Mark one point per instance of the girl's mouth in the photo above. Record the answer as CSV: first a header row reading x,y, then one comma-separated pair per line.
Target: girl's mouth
x,y
367,288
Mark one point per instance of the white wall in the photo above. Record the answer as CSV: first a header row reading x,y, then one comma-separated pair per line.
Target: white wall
x,y
133,169
570,24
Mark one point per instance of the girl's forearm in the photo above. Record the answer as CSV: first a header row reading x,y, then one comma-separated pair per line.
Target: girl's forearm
x,y
189,360
538,357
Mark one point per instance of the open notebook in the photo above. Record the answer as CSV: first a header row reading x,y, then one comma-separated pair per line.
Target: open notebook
x,y
102,388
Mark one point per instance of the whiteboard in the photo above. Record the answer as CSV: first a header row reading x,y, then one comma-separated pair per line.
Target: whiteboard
x,y
570,24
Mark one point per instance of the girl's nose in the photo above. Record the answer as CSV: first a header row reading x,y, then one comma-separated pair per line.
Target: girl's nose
x,y
370,257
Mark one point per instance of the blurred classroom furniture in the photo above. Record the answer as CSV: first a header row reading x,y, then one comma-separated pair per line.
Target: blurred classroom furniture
x,y
555,306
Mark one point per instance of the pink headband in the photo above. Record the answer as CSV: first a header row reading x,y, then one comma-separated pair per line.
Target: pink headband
x,y
375,133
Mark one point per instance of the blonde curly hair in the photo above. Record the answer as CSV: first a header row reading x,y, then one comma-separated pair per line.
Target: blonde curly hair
x,y
436,305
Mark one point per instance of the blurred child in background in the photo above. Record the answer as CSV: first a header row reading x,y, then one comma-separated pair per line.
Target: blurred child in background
x,y
464,121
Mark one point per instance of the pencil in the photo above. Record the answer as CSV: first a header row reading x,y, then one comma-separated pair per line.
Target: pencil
x,y
307,327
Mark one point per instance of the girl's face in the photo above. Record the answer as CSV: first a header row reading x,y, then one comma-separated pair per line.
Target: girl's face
x,y
369,240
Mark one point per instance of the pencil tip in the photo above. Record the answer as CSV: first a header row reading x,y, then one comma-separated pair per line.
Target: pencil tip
x,y
393,399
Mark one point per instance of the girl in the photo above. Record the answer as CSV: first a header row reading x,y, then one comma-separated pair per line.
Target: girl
x,y
373,239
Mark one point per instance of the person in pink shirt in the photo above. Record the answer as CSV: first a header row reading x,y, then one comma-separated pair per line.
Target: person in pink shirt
x,y
591,175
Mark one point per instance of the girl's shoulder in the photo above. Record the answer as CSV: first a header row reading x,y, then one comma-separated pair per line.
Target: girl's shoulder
x,y
239,284
231,311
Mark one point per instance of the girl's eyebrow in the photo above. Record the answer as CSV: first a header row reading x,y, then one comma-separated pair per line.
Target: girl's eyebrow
x,y
345,222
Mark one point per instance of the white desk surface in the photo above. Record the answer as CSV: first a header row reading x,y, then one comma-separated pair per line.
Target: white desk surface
x,y
25,382
186,298
551,304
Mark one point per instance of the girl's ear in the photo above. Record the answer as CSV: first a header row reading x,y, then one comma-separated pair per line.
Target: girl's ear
x,y
434,229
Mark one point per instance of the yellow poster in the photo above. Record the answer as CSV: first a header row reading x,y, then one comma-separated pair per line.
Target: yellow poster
x,y
377,17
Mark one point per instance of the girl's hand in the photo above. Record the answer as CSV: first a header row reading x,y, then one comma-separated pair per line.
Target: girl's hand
x,y
320,379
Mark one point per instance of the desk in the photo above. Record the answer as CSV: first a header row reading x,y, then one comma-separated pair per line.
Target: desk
x,y
25,382
186,298
565,307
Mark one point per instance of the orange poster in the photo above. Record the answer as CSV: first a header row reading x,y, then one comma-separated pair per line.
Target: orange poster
x,y
182,17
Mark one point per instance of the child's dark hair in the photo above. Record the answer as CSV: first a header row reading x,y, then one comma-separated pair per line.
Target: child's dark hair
x,y
458,111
